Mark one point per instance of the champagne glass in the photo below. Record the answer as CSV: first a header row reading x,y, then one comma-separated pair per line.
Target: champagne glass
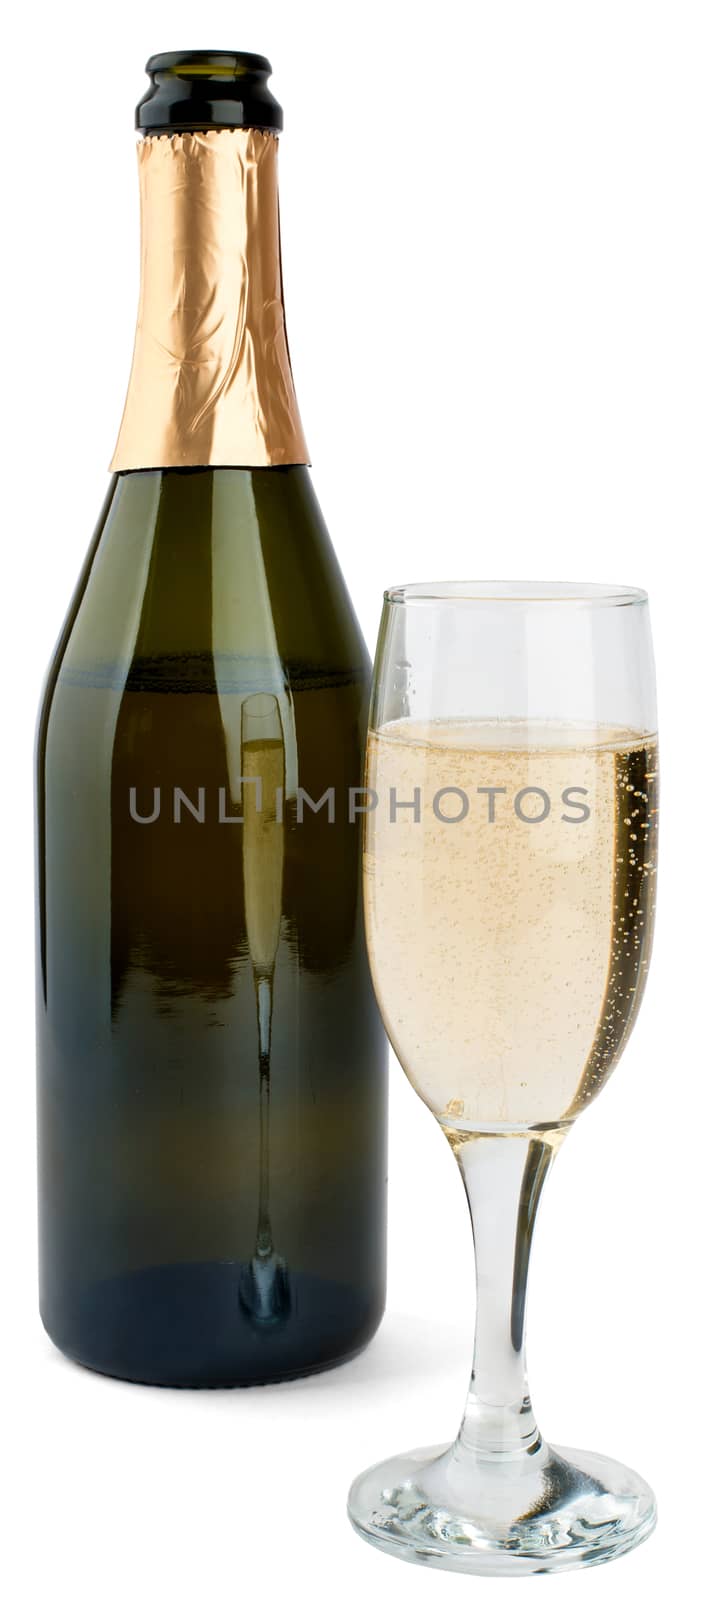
x,y
509,881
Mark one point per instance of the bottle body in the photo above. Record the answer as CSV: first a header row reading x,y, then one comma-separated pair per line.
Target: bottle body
x,y
211,1066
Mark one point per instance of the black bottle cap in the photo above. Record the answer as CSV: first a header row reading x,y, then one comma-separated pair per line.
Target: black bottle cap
x,y
194,89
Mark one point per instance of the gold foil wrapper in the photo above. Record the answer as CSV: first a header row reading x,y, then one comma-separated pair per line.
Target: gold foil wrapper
x,y
211,383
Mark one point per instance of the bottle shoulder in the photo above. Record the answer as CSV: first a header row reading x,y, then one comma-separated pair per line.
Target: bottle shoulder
x,y
225,572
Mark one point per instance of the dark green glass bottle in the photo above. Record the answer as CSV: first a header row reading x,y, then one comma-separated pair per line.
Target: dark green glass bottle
x,y
211,1065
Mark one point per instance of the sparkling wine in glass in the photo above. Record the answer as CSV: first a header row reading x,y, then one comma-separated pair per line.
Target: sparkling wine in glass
x,y
509,882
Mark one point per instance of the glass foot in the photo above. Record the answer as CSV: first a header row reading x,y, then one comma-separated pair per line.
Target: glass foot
x,y
542,1512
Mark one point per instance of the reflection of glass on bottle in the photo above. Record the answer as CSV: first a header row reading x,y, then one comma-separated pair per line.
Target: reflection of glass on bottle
x,y
262,746
264,1286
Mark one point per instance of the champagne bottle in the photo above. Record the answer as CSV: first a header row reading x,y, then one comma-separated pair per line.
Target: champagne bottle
x,y
211,1066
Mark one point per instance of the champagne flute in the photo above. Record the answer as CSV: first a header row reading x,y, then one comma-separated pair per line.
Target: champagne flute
x,y
509,882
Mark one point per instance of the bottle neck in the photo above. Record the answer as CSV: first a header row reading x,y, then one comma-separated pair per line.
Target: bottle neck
x,y
211,382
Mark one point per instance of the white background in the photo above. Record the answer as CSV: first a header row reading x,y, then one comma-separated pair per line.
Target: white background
x,y
498,259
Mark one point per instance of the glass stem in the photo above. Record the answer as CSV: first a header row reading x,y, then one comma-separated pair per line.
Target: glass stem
x,y
504,1176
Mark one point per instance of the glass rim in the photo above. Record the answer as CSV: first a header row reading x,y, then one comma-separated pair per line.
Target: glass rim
x,y
476,592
